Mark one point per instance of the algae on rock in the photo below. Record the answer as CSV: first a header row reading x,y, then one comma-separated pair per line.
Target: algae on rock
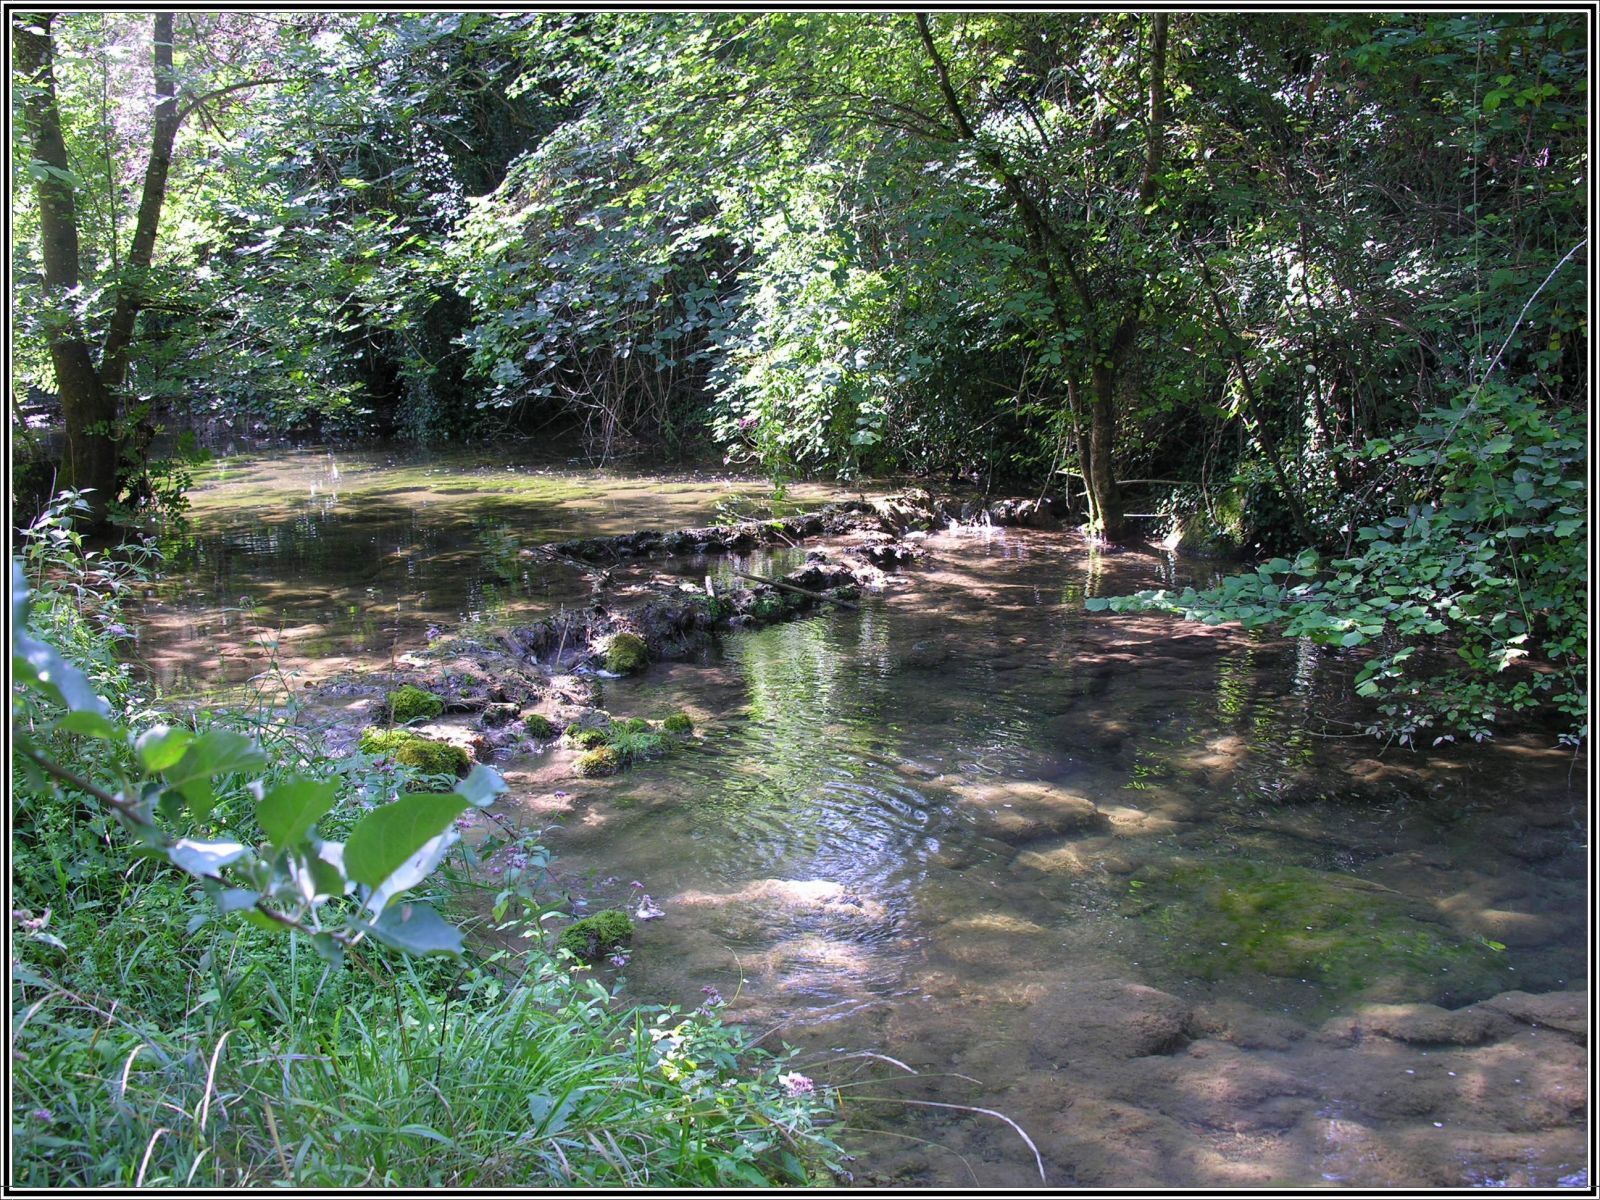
x,y
1353,937
602,760
626,653
595,935
428,755
409,703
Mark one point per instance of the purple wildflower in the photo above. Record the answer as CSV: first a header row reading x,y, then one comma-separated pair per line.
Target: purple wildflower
x,y
797,1084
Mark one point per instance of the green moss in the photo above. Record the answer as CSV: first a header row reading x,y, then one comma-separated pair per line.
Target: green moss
x,y
599,934
626,653
631,725
767,608
678,722
602,760
1348,935
538,725
589,739
423,754
409,703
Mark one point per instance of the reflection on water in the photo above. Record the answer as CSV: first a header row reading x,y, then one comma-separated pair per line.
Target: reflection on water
x,y
913,829
317,560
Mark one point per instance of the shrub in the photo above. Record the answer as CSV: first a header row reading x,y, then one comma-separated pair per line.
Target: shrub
x,y
411,703
427,755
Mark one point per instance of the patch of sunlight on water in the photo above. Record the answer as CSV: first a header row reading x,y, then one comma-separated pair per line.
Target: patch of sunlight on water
x,y
911,826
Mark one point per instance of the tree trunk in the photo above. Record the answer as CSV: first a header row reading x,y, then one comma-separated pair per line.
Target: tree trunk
x,y
89,407
130,288
1106,517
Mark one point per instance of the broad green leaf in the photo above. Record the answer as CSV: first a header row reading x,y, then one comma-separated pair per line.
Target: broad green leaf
x,y
417,929
237,899
205,858
481,786
37,666
162,746
89,724
219,752
389,838
288,811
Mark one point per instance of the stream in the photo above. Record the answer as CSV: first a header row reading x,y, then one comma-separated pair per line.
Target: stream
x,y
1141,888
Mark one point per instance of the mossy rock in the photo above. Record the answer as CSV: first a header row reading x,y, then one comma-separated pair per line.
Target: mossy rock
x,y
589,739
767,608
602,760
1353,937
411,703
597,935
537,725
678,722
427,755
631,725
626,653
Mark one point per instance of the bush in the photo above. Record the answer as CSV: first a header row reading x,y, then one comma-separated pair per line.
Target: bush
x,y
411,703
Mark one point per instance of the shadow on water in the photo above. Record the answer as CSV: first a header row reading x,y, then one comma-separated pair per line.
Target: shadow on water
x,y
315,561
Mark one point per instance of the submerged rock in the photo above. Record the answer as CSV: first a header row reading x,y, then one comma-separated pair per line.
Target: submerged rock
x,y
1355,938
1108,1018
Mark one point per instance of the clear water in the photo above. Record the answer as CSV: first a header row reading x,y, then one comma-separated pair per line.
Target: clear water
x,y
978,834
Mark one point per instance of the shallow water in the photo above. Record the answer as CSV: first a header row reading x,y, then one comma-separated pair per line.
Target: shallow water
x,y
1137,885
946,828
312,562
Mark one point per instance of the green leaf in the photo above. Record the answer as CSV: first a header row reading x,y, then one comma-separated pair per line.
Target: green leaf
x,y
162,746
35,665
387,836
89,724
417,929
216,753
288,811
237,899
205,858
481,786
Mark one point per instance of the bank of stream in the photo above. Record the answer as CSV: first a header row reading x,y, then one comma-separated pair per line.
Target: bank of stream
x,y
1142,887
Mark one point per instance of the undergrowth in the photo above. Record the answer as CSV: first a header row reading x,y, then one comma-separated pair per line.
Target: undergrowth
x,y
157,1042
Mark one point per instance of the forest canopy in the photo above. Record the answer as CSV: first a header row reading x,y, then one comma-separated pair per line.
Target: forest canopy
x,y
1310,286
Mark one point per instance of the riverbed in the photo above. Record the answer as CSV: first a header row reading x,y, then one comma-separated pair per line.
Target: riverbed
x,y
1053,897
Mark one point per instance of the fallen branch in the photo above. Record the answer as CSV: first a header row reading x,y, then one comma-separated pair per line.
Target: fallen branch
x,y
789,587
